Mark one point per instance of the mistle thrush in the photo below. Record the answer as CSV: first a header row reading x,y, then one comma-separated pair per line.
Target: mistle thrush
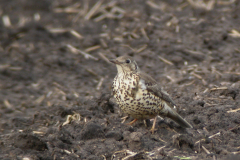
x,y
140,96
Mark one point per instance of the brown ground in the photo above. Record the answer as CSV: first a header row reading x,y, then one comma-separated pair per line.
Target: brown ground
x,y
191,49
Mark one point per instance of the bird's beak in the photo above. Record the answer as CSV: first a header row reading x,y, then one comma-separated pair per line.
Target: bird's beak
x,y
114,61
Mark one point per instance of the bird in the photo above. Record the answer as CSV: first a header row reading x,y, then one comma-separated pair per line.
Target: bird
x,y
140,96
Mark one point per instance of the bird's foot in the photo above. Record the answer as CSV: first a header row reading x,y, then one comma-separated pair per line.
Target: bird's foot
x,y
132,122
145,122
153,126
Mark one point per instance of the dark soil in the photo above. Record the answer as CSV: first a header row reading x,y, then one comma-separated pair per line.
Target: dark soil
x,y
55,100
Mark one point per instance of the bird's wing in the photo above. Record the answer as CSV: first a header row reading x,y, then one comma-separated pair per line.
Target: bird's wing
x,y
153,87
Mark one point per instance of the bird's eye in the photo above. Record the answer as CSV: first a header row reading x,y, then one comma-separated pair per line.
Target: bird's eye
x,y
128,61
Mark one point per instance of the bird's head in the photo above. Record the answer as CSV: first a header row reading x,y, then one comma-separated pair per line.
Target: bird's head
x,y
125,64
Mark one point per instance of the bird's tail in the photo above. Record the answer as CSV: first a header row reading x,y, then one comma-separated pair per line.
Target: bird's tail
x,y
177,118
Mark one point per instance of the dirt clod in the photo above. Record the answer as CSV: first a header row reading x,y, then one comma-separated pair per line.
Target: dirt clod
x,y
26,141
91,131
114,134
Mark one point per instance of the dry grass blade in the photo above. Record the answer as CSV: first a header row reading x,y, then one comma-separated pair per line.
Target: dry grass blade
x,y
162,141
92,48
235,110
171,151
81,12
177,29
238,152
201,5
6,21
154,5
159,149
170,78
123,154
165,60
57,85
205,149
125,45
236,127
100,84
76,94
141,48
93,10
92,72
104,57
136,50
76,51
234,33
7,104
193,52
144,34
66,10
188,84
124,119
178,157
66,151
76,34
172,22
74,117
103,43
108,5
57,30
101,17
39,99
217,134
206,90
117,9
134,35
60,93
237,73
38,132
70,9
118,39
219,88
4,66
115,12
63,30
196,75
225,2
37,16
15,68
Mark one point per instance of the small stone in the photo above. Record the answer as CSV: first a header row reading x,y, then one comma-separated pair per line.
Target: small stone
x,y
136,136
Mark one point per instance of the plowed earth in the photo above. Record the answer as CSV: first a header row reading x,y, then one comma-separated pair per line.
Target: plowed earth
x,y
55,79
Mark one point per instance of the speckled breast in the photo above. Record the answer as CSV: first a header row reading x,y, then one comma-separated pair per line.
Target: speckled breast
x,y
133,98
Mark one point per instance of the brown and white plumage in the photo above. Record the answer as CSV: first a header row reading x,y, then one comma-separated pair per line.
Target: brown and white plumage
x,y
140,96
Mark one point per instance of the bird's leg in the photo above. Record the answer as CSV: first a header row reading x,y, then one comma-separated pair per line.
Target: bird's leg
x,y
153,126
124,119
145,122
132,122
